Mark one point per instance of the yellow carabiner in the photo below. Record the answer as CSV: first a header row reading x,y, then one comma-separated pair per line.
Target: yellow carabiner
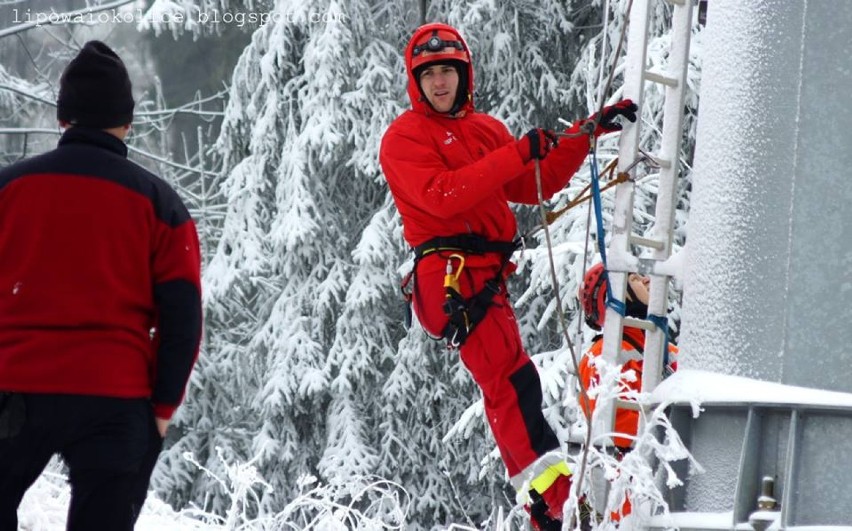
x,y
451,280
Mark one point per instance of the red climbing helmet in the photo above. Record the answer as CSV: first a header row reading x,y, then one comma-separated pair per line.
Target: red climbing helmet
x,y
593,296
437,43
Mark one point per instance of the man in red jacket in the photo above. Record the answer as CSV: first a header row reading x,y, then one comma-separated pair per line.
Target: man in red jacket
x,y
452,172
100,308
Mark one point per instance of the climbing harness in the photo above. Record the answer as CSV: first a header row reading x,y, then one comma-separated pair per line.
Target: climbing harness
x,y
463,313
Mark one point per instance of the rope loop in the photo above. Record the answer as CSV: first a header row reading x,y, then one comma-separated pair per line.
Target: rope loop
x,y
662,322
611,302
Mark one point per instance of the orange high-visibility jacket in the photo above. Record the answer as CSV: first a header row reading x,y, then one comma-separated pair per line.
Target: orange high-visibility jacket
x,y
626,420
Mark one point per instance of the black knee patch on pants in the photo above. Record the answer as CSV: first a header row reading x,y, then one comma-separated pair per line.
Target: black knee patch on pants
x,y
528,388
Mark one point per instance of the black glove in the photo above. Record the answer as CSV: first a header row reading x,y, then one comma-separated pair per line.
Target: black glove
x,y
607,123
536,144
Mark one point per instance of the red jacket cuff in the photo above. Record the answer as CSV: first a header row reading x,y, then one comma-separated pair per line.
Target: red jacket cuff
x,y
164,411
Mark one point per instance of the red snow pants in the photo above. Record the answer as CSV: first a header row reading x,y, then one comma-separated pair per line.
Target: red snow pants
x,y
495,357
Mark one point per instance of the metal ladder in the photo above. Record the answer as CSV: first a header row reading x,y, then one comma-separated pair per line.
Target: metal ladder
x,y
620,258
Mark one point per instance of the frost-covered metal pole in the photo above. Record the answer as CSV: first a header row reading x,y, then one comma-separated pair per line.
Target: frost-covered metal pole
x,y
656,342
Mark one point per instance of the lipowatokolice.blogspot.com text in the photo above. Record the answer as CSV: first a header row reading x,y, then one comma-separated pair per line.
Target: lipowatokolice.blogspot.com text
x,y
177,16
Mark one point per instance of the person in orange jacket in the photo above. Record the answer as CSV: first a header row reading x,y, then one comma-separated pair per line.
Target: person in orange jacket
x,y
452,171
592,295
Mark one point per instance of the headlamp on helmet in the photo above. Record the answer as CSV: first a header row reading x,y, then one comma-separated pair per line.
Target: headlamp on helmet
x,y
436,44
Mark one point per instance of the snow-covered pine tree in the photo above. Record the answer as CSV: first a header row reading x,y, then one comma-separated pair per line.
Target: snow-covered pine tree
x,y
305,99
18,106
28,88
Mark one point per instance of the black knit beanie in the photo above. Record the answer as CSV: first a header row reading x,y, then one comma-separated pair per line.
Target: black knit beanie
x,y
95,90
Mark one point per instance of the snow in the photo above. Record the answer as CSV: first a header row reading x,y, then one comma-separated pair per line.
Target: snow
x,y
45,506
706,387
693,520
165,14
674,266
722,521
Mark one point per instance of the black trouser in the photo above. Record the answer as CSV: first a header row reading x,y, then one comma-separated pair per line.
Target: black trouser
x,y
109,444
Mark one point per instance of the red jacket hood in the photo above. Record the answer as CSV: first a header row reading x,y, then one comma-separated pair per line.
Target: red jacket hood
x,y
418,102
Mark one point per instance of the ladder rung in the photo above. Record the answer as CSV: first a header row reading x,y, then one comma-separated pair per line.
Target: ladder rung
x,y
676,2
639,323
661,79
656,160
662,163
630,404
647,242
